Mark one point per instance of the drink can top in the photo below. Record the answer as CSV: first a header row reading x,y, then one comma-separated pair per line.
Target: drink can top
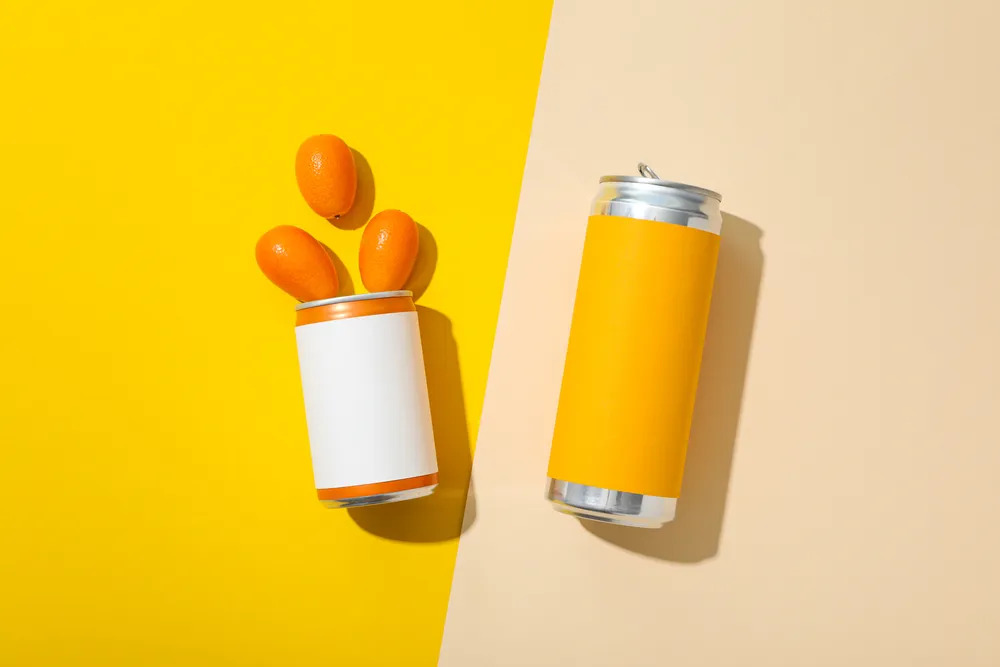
x,y
648,177
352,298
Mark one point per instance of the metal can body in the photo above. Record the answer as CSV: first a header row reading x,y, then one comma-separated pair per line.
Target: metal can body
x,y
365,391
634,352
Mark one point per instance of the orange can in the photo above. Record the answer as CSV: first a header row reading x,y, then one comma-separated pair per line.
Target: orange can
x,y
634,353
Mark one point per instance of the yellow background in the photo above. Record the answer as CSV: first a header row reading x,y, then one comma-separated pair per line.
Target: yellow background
x,y
155,480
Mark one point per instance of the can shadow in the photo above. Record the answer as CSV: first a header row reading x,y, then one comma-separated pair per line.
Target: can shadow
x,y
696,532
438,517
364,198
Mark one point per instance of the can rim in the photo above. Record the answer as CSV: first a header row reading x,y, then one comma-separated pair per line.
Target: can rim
x,y
353,297
673,185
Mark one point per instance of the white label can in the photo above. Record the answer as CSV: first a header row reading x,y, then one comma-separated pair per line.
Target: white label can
x,y
365,391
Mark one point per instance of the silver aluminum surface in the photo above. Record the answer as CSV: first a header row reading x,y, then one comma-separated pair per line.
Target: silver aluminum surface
x,y
618,507
659,200
353,297
380,498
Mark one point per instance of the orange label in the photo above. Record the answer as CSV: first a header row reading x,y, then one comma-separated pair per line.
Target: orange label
x,y
634,352
343,310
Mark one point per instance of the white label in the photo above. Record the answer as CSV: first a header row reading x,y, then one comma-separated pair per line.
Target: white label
x,y
366,400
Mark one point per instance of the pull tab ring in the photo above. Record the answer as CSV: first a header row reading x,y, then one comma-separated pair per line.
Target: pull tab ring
x,y
647,172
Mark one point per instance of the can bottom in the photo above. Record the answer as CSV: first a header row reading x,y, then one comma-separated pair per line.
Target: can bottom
x,y
617,507
379,498
379,493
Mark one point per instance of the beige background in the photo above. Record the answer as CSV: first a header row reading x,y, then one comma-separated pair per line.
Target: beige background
x,y
841,504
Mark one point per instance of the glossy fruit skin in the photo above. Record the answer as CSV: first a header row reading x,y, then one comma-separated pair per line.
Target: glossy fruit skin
x,y
389,247
297,263
326,174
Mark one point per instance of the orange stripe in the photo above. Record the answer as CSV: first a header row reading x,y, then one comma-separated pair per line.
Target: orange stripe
x,y
362,490
347,309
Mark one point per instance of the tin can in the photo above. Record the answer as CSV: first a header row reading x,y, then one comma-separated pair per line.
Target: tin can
x,y
634,353
365,390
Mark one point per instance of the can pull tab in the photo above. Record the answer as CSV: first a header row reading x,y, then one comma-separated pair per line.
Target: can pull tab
x,y
646,171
